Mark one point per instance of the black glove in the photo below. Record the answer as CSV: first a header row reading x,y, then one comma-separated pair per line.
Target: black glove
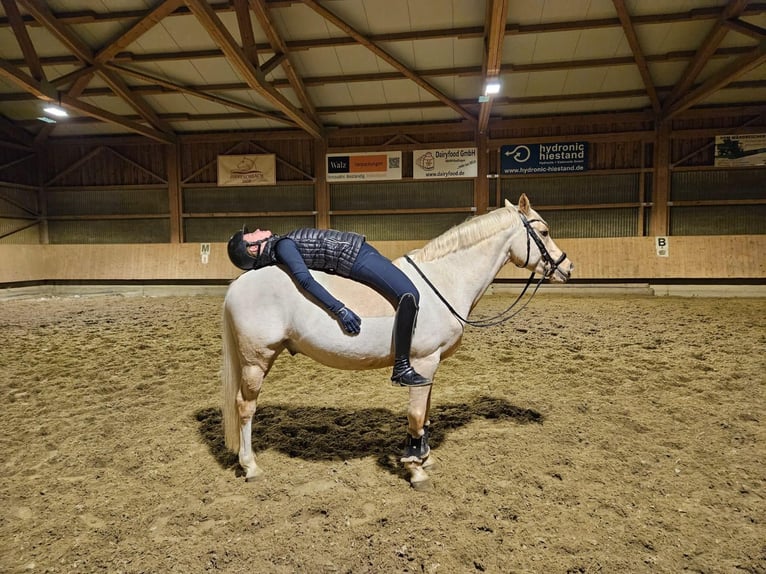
x,y
350,320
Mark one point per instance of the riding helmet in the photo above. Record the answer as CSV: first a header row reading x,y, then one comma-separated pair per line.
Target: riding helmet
x,y
238,253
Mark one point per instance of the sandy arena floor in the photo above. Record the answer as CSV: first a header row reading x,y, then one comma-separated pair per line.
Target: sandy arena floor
x,y
590,435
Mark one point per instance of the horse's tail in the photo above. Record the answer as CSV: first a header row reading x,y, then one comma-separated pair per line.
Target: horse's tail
x,y
230,378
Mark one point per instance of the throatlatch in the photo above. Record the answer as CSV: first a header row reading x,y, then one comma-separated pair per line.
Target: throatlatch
x,y
404,325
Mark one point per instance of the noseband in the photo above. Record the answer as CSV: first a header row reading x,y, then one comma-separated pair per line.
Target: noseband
x,y
550,264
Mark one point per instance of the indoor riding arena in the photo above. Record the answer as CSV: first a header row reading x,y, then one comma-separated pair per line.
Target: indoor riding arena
x,y
577,190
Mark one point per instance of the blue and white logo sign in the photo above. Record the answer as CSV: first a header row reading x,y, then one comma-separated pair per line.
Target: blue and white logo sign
x,y
543,158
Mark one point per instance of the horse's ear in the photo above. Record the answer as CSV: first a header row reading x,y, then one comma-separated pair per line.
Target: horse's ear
x,y
524,206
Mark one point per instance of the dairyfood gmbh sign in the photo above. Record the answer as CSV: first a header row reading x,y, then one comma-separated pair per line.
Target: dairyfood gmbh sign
x,y
544,158
444,163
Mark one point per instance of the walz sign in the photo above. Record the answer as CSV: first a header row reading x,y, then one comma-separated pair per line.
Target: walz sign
x,y
543,158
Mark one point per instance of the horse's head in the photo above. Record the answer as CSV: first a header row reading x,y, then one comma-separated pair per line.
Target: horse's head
x,y
535,249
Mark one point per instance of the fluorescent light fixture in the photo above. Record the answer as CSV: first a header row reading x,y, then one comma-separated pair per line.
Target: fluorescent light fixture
x,y
46,120
56,111
492,88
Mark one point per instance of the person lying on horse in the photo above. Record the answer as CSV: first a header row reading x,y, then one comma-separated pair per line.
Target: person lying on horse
x,y
346,254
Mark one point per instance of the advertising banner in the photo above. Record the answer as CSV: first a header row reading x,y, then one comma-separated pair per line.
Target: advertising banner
x,y
543,158
741,150
452,162
246,170
364,166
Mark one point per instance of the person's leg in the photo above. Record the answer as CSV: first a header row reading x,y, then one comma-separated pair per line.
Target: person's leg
x,y
378,272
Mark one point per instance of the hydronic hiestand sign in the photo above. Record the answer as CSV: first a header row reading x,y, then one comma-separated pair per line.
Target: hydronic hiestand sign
x,y
543,158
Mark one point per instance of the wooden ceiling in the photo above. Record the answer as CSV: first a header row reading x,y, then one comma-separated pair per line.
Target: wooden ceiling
x,y
162,68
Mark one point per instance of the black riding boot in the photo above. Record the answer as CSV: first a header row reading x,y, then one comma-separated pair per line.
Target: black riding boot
x,y
404,325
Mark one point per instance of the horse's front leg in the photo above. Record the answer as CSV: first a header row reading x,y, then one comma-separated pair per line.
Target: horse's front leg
x,y
416,450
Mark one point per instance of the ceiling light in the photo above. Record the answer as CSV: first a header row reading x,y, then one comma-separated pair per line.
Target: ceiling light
x,y
492,87
46,120
56,111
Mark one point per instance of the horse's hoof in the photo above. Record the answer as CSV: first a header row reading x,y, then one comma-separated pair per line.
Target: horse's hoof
x,y
424,485
419,479
255,477
431,464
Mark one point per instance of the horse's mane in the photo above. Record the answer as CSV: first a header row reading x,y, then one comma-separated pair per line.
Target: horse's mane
x,y
465,234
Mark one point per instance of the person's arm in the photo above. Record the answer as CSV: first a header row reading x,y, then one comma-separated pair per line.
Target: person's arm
x,y
287,253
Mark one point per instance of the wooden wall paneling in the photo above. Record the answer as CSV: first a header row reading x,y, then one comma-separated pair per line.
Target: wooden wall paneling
x,y
617,258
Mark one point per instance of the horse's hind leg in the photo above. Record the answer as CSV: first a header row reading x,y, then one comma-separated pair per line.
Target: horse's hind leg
x,y
247,398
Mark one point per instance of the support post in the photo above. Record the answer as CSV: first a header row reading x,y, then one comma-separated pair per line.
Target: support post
x,y
481,185
660,217
321,191
175,199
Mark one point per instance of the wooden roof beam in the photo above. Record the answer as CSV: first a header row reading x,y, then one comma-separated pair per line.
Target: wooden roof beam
x,y
746,28
497,13
199,94
245,25
42,14
14,132
143,25
705,51
22,37
35,87
250,73
261,12
385,56
722,78
638,54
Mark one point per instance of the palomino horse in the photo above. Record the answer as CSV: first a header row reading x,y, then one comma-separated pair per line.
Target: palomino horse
x,y
266,313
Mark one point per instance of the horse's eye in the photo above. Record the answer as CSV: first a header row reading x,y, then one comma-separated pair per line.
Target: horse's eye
x,y
544,233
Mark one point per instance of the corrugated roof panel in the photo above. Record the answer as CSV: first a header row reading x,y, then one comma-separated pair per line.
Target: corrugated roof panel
x,y
23,110
563,10
667,73
648,7
515,85
519,50
379,17
733,96
364,93
437,14
358,60
403,91
111,104
525,13
600,43
546,83
403,52
341,119
672,37
216,71
299,22
621,78
549,47
9,46
330,95
584,80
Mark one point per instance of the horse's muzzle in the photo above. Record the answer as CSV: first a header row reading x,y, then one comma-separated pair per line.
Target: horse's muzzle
x,y
562,272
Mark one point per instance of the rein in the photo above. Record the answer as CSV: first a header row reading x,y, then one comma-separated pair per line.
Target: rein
x,y
501,317
488,321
